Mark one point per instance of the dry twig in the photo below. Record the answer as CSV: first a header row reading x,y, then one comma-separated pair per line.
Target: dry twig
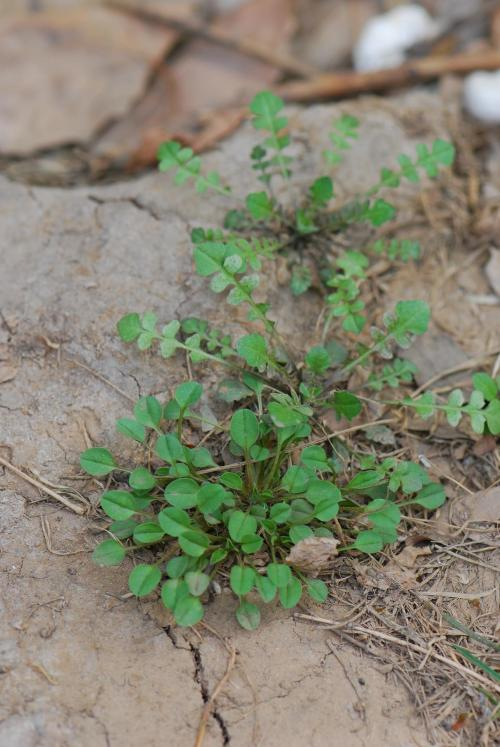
x,y
37,484
339,85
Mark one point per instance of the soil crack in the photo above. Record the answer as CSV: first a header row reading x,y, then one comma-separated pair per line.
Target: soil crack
x,y
200,678
130,200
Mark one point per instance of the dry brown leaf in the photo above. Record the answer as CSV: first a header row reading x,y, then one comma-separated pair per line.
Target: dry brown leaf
x,y
407,557
313,554
330,31
204,79
7,373
64,74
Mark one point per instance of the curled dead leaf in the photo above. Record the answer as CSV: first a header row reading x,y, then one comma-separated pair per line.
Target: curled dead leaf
x,y
409,554
313,554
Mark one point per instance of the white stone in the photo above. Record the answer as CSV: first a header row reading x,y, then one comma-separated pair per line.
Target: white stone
x,y
482,96
385,39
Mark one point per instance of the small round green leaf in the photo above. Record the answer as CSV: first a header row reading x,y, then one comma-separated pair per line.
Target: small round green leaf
x,y
188,394
244,428
280,574
109,552
317,589
280,512
431,496
148,533
118,504
141,479
241,524
251,543
231,480
296,479
169,448
144,579
368,541
265,587
173,591
97,462
315,458
123,529
194,543
284,416
241,579
485,384
248,615
321,490
197,582
188,611
148,411
182,493
290,594
177,566
300,532
211,496
131,429
326,509
129,327
174,521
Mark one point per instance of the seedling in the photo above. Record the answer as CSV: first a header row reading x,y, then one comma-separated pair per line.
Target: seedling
x,y
269,498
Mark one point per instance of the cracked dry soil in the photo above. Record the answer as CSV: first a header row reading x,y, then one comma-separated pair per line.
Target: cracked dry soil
x,y
79,665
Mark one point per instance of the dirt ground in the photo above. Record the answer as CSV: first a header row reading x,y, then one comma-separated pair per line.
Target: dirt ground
x,y
82,665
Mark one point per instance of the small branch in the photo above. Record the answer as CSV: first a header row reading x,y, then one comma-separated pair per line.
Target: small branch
x,y
339,85
217,35
65,501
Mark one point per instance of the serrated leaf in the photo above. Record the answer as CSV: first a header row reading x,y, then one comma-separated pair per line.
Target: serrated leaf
x,y
259,205
253,349
346,405
317,359
485,384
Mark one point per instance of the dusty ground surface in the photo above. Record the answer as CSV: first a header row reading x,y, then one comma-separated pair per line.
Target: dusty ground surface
x,y
79,665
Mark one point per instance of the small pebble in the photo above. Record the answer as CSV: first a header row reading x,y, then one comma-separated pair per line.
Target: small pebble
x,y
385,39
482,96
